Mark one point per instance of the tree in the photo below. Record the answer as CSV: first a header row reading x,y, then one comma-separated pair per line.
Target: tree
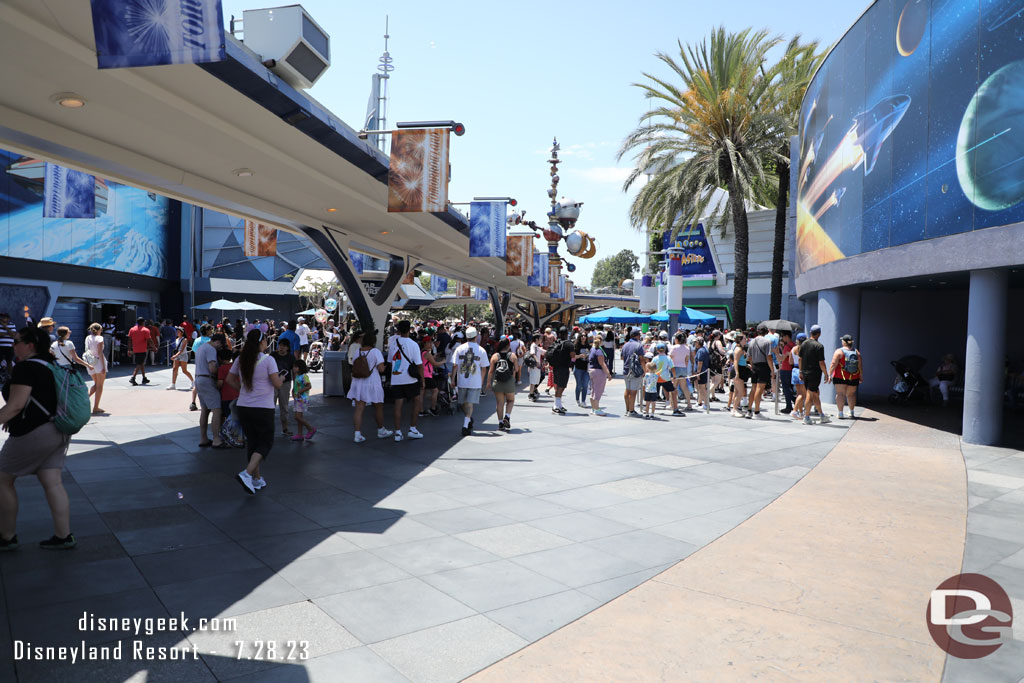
x,y
612,270
707,131
790,76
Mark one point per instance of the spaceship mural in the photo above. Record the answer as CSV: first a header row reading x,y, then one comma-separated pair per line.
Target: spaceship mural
x,y
912,129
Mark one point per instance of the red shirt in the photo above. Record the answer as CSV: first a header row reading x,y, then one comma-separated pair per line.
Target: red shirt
x,y
227,392
140,339
787,357
189,329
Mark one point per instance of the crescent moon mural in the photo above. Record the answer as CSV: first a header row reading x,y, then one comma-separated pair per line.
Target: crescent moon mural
x,y
911,26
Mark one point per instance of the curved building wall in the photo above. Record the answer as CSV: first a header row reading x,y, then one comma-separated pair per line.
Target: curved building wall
x,y
912,130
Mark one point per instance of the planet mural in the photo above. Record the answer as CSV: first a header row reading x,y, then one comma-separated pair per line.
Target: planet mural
x,y
911,27
990,146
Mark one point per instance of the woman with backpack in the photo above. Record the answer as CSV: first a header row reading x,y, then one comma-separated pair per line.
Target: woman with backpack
x,y
367,387
503,382
35,445
846,370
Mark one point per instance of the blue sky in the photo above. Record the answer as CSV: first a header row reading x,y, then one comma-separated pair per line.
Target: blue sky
x,y
519,74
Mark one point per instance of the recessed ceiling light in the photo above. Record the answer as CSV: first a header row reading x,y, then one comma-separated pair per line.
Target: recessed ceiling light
x,y
69,100
243,172
331,210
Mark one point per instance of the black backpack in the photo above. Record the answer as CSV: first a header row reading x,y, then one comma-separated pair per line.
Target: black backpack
x,y
503,369
634,366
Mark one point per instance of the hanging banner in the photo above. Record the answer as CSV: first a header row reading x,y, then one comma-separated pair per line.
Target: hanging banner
x,y
67,193
481,294
151,32
519,255
539,276
487,229
410,278
554,272
561,286
697,260
358,261
418,174
463,290
571,298
438,285
260,240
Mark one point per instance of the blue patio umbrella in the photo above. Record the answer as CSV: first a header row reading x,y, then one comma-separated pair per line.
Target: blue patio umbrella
x,y
614,315
690,316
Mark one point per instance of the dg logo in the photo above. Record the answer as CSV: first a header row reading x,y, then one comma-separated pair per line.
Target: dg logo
x,y
970,616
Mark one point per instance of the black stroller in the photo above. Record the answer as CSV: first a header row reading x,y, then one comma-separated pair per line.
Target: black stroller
x,y
446,399
909,383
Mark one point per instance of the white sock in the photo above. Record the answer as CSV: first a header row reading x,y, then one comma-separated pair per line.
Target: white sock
x,y
558,402
465,422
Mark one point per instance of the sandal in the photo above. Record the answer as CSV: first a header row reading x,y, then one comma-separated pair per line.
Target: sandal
x,y
287,432
220,446
97,411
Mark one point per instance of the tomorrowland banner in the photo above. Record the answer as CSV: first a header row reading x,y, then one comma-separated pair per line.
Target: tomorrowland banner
x,y
151,32
357,259
418,174
481,294
438,285
539,276
463,290
67,193
571,293
487,229
519,255
554,272
260,240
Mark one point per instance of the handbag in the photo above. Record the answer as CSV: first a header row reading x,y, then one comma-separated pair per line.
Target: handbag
x,y
415,371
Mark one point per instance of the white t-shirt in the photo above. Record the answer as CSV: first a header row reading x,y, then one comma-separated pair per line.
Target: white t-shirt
x,y
303,332
469,359
353,351
63,354
399,362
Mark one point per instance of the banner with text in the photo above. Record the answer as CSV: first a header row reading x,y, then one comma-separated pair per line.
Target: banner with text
x,y
67,193
151,32
418,174
487,229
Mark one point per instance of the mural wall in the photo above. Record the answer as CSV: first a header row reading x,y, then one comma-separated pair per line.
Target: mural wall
x,y
130,232
913,128
224,251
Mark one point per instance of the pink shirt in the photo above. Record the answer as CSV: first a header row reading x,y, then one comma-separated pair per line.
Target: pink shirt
x,y
262,393
680,355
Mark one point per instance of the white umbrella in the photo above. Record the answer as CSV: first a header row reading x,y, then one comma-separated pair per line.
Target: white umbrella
x,y
247,306
219,305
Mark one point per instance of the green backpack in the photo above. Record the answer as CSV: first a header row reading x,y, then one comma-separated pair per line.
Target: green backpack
x,y
73,410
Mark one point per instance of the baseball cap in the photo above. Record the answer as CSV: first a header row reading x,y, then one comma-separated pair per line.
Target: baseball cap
x,y
846,338
762,328
634,334
662,347
801,337
471,333
300,319
815,328
663,335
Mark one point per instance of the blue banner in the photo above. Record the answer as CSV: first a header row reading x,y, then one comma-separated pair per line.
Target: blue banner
x,y
487,229
151,32
539,277
358,261
438,285
481,294
697,260
67,193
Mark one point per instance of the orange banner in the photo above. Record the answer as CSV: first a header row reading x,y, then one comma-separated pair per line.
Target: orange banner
x,y
418,173
462,289
519,255
260,240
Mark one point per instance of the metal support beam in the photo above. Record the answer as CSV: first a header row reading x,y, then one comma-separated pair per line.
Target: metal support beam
x,y
499,304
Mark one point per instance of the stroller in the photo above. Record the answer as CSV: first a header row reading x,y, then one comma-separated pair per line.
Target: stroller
x,y
315,358
909,382
446,398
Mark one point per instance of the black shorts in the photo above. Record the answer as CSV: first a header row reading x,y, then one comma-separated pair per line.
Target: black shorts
x,y
650,397
667,387
742,373
140,358
847,382
561,377
811,380
762,373
430,383
403,391
258,427
304,348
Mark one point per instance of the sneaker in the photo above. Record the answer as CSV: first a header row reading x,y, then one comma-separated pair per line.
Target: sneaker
x,y
679,411
309,435
398,436
133,382
736,413
11,544
824,419
600,412
749,415
298,437
245,479
759,416
786,411
384,433
842,416
193,407
415,433
507,422
359,438
145,380
501,426
55,543
171,388
807,420
433,412
259,483
465,431
193,387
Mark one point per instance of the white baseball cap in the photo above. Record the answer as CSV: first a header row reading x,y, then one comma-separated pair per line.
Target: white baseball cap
x,y
471,333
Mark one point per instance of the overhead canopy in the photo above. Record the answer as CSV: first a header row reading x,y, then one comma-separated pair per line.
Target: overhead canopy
x,y
691,316
613,316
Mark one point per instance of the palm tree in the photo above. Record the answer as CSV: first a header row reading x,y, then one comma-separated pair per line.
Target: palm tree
x,y
707,131
790,78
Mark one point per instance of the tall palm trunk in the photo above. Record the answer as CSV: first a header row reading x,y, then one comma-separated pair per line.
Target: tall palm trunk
x,y
741,252
779,250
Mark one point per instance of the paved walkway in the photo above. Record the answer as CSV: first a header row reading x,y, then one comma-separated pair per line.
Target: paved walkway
x,y
421,561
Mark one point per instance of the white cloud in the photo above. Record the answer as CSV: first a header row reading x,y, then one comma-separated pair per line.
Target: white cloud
x,y
602,174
